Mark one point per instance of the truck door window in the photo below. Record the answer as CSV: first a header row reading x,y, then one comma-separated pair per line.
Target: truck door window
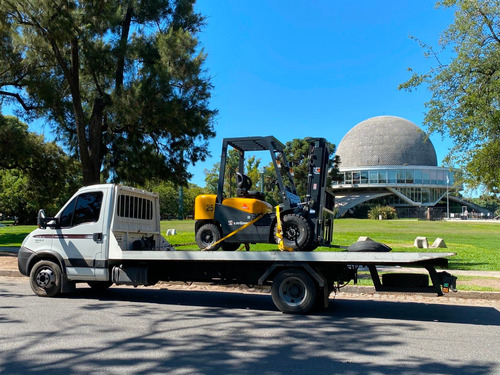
x,y
67,214
83,209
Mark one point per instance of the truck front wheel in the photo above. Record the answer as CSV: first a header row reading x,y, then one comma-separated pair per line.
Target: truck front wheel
x,y
45,278
293,292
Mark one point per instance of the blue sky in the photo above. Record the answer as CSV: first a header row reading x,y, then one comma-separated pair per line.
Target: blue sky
x,y
295,69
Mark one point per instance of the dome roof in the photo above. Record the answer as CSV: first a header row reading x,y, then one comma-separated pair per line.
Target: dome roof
x,y
386,140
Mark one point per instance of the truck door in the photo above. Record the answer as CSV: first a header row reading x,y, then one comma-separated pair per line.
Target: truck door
x,y
79,237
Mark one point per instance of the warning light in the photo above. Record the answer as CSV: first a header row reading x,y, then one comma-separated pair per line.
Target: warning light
x,y
446,288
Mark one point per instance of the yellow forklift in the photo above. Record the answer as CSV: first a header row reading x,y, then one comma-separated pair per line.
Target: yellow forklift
x,y
300,224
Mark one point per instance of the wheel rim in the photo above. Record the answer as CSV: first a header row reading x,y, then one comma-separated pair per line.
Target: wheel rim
x,y
45,278
293,291
292,233
207,237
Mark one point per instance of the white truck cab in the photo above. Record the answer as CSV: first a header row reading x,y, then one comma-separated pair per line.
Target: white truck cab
x,y
99,221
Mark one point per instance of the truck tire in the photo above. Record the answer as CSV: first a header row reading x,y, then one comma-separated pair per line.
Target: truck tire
x,y
206,235
230,246
297,232
294,292
46,278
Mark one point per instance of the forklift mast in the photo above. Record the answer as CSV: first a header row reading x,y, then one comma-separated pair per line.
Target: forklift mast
x,y
319,197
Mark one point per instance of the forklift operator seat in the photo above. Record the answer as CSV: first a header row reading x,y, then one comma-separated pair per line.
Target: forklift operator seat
x,y
244,184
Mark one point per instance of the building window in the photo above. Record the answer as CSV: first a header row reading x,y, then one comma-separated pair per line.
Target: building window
x,y
382,177
425,177
364,177
418,176
348,177
392,177
374,177
401,177
356,177
409,177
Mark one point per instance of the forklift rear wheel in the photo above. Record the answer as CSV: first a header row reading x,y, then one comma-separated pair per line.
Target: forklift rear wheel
x,y
230,246
208,234
294,292
296,232
46,278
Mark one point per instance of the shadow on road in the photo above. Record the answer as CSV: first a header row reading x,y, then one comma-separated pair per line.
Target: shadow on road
x,y
196,332
407,311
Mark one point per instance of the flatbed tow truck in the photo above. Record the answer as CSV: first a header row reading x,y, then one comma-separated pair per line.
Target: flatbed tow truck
x,y
110,233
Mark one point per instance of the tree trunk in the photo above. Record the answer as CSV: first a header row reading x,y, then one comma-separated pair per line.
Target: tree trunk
x,y
89,148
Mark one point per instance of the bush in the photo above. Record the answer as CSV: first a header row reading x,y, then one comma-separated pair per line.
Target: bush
x,y
386,212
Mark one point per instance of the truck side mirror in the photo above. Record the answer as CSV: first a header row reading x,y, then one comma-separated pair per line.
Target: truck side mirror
x,y
40,220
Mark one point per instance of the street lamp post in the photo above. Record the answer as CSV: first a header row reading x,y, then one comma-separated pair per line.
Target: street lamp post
x,y
447,197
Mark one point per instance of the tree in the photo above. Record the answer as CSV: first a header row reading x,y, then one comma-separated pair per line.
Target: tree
x,y
297,154
465,91
169,197
33,174
121,81
212,175
490,203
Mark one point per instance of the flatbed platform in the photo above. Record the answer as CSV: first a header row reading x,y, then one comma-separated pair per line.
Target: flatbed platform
x,y
344,257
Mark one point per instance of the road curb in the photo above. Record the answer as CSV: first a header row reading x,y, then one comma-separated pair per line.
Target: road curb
x,y
461,294
9,273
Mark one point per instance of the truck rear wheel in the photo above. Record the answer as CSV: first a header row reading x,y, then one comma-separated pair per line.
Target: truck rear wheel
x,y
206,235
294,292
297,232
45,278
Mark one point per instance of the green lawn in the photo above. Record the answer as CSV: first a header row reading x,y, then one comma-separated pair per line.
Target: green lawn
x,y
475,243
11,235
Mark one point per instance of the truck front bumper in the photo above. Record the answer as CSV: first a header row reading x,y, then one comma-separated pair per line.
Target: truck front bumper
x,y
23,258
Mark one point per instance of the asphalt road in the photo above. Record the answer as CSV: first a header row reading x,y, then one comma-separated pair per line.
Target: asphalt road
x,y
143,330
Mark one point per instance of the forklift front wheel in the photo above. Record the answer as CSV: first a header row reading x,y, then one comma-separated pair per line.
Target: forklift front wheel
x,y
206,235
297,232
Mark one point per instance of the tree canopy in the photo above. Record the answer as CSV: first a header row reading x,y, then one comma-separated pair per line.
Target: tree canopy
x,y
33,173
121,81
169,198
465,90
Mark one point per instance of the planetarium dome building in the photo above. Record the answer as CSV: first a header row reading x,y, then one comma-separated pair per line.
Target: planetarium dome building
x,y
389,160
